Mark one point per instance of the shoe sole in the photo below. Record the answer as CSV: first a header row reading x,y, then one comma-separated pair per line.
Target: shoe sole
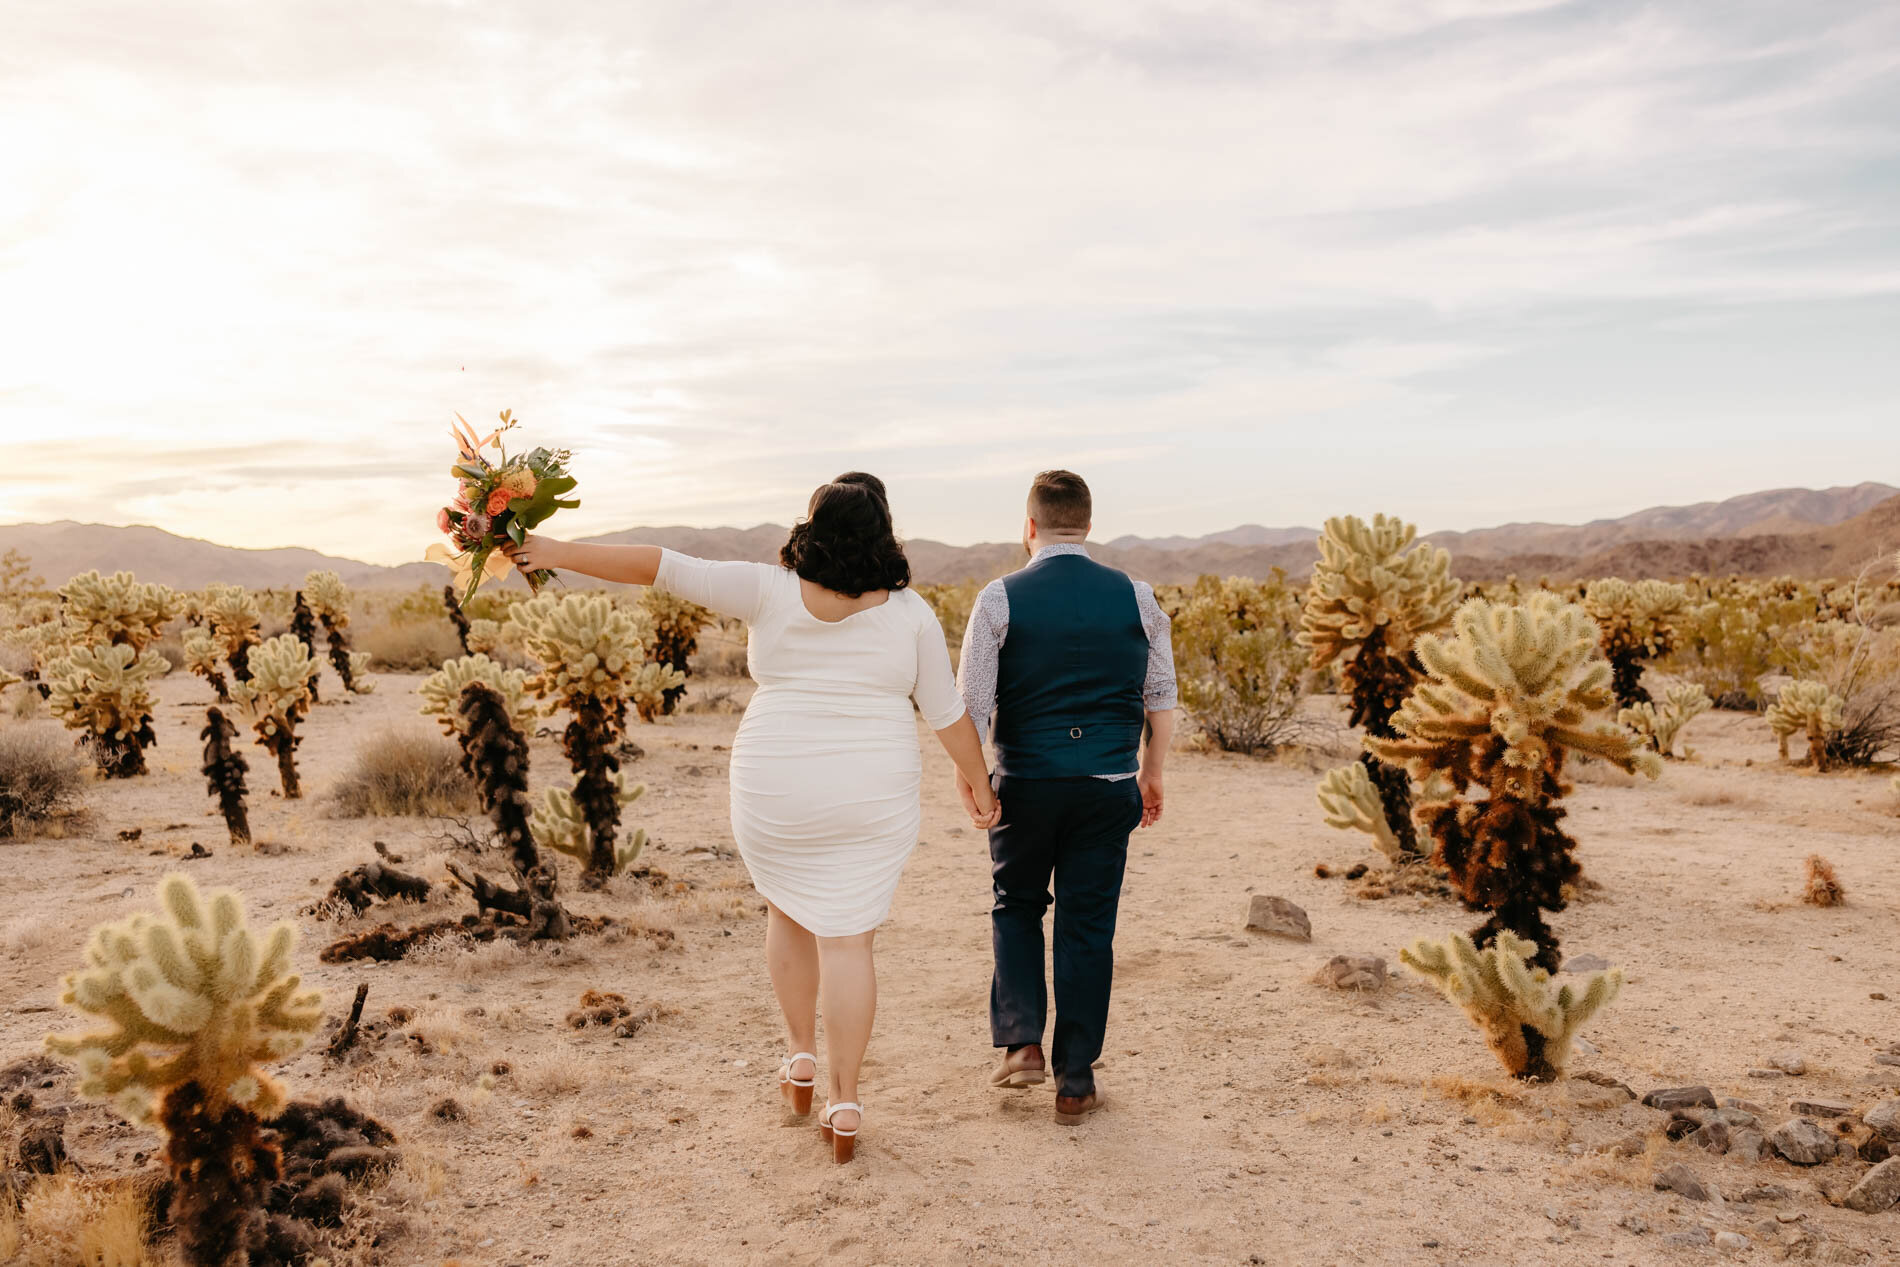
x,y
1021,1078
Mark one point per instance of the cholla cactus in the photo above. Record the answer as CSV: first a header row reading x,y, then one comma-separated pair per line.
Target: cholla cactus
x,y
276,698
441,691
484,636
1374,592
1809,707
1529,1026
456,616
106,692
196,1005
1638,624
224,770
331,601
1351,803
1659,724
232,613
558,824
118,609
1511,692
203,658
672,635
591,661
304,624
652,687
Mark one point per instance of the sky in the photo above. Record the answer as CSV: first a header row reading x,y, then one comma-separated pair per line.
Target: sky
x,y
1465,261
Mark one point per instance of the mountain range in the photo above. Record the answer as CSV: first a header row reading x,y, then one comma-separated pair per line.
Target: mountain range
x,y
1798,531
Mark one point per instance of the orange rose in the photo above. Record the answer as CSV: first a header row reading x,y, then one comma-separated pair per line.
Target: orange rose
x,y
498,501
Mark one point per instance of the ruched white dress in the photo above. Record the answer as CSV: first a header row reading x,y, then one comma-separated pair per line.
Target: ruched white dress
x,y
826,765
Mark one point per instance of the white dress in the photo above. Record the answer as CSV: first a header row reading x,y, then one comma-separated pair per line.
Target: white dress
x,y
826,764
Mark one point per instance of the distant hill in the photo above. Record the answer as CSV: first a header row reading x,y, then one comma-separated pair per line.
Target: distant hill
x,y
1784,531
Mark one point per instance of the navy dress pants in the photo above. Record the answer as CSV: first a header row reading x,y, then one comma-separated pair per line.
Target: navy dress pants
x,y
1065,839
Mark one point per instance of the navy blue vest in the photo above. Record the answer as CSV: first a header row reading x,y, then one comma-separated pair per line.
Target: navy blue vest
x,y
1069,679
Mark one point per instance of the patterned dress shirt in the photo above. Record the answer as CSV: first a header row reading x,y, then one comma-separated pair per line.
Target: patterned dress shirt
x,y
989,625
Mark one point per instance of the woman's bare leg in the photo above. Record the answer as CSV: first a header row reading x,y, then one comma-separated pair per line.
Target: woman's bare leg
x,y
848,986
791,956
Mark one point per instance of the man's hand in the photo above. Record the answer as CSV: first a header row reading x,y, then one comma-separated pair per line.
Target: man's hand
x,y
978,818
1149,781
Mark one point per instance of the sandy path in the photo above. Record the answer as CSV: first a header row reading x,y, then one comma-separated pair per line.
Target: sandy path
x,y
1255,1117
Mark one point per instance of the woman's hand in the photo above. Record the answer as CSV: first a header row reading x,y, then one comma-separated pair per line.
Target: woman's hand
x,y
979,803
535,552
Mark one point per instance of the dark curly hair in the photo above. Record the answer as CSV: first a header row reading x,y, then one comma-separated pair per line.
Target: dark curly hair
x,y
845,542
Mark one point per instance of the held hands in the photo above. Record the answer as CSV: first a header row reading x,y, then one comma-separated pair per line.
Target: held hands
x,y
979,803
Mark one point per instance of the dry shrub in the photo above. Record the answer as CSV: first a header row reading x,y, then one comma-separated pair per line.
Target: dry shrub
x,y
1823,887
41,779
66,1219
411,646
403,771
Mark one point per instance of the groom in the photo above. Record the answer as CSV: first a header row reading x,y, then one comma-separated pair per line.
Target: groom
x,y
1070,658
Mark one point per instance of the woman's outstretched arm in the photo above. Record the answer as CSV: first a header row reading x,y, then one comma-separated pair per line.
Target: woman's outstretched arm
x,y
629,565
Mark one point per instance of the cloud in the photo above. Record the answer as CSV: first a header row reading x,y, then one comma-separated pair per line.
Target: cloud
x,y
1254,262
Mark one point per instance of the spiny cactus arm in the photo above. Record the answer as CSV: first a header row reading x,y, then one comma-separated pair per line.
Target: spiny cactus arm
x,y
1350,803
1613,744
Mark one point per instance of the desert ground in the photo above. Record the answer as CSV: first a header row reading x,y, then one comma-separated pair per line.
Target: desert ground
x,y
1254,1116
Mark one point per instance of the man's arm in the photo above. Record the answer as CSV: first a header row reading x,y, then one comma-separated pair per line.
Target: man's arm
x,y
1158,697
976,669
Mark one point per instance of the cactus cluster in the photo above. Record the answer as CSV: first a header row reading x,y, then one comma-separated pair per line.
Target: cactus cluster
x,y
105,691
1511,692
591,662
233,615
1241,672
456,616
1809,708
484,635
119,609
1375,591
203,657
672,636
1659,724
331,602
1637,621
303,623
276,697
196,1006
559,824
1528,1021
441,691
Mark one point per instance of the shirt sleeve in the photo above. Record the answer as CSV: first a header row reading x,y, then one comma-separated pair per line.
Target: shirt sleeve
x,y
731,588
982,650
1159,690
936,690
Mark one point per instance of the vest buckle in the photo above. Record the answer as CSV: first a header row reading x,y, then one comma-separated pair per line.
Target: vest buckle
x,y
1075,732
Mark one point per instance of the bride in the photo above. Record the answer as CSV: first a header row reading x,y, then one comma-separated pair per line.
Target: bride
x,y
825,767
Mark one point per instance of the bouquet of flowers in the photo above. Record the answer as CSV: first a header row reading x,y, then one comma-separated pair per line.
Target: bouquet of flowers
x,y
500,496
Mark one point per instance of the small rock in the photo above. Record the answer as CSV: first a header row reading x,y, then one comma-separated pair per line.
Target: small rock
x,y
1686,1239
1352,972
1884,1120
1878,1189
1747,1106
1807,1106
1731,1242
1680,1098
1745,1144
1734,1116
1765,1073
1276,915
1790,1062
1802,1142
1887,1057
1763,1192
1679,1179
1586,963
1712,1136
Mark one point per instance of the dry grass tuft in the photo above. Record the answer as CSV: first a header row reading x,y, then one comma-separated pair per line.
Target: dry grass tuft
x,y
400,772
66,1219
41,781
1637,1170
409,646
1823,887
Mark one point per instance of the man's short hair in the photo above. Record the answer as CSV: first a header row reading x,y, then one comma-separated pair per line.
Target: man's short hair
x,y
1059,501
